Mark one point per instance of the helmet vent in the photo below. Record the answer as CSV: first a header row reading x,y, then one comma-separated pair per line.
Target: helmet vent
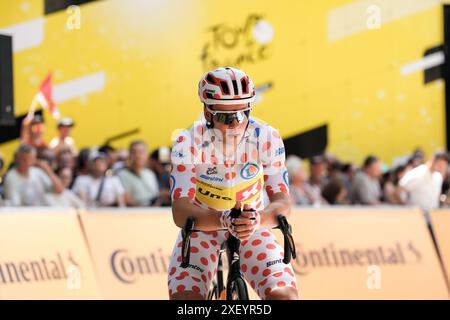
x,y
235,87
225,88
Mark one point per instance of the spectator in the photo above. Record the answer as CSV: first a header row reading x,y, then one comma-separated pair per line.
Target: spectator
x,y
317,178
334,192
98,189
82,160
67,198
120,160
64,139
349,172
415,161
335,171
424,182
141,185
300,191
366,187
32,132
25,184
48,156
159,163
392,192
111,154
66,158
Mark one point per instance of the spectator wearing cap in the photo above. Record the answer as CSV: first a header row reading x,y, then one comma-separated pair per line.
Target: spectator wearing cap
x,y
29,180
159,163
299,190
64,139
424,182
140,183
32,132
99,189
366,187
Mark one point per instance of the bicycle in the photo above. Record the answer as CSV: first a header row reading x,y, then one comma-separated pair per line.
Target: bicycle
x,y
236,288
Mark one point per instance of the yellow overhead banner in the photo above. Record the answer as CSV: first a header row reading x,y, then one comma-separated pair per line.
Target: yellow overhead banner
x,y
133,67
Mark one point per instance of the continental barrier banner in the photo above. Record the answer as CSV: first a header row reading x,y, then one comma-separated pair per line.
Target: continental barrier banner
x,y
43,255
131,251
347,253
360,253
440,220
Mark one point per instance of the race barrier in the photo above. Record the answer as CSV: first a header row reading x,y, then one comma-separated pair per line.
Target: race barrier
x,y
363,253
440,220
131,251
43,255
342,253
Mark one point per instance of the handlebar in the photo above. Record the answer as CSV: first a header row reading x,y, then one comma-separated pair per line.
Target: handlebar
x,y
283,225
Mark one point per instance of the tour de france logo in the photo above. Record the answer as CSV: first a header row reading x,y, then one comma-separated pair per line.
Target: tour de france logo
x,y
233,45
249,171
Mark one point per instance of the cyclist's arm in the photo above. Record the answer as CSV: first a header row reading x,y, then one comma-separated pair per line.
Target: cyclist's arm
x,y
276,180
280,203
205,220
183,186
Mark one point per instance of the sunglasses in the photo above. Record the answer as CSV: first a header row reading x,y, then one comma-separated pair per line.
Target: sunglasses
x,y
227,117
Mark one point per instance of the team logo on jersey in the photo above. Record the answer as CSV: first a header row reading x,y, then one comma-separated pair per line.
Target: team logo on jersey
x,y
250,191
212,170
249,171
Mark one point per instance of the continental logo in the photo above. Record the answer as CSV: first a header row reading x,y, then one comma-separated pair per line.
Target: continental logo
x,y
43,269
331,257
128,268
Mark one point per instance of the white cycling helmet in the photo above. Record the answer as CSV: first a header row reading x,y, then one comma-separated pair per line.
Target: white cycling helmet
x,y
226,85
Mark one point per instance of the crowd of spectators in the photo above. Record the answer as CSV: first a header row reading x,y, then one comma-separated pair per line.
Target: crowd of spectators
x,y
58,174
414,181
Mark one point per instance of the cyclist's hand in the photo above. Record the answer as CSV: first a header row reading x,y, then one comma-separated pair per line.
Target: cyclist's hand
x,y
227,222
247,224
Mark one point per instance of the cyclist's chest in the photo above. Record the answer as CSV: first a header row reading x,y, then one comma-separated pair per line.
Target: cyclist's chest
x,y
221,185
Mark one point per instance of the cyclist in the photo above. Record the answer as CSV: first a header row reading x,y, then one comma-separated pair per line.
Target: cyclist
x,y
226,161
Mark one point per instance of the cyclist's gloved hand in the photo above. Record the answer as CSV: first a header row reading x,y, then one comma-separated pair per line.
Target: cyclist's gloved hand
x,y
248,223
227,222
